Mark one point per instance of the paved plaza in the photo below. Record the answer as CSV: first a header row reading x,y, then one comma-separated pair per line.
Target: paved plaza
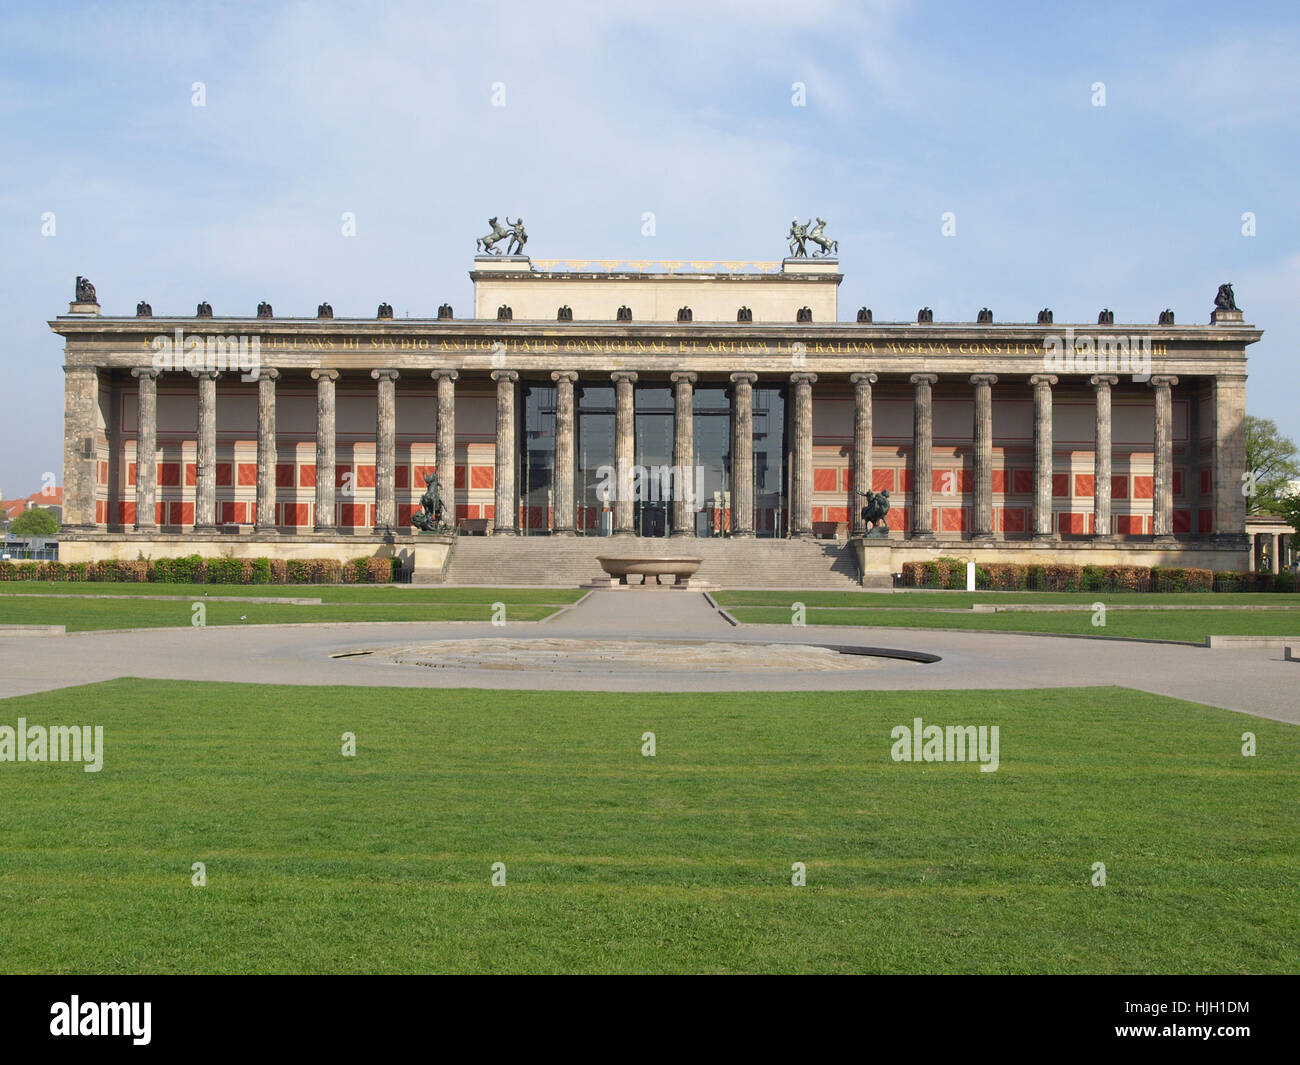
x,y
1251,680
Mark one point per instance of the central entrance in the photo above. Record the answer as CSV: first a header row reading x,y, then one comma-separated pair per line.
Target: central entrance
x,y
654,480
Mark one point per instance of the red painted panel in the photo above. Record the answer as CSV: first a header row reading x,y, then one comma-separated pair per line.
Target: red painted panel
x,y
1143,487
352,515
191,474
1205,521
999,482
420,472
284,475
225,475
1128,524
404,513
848,478
882,480
1119,487
953,519
297,515
402,476
341,472
906,479
482,477
130,474
460,476
365,477
1182,521
126,512
824,480
1205,485
1014,520
1022,482
247,473
897,518
1060,485
307,476
1178,482
1083,484
1071,523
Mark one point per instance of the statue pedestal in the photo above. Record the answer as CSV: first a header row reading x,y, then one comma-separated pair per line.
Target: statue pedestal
x,y
819,265
502,264
83,308
1227,318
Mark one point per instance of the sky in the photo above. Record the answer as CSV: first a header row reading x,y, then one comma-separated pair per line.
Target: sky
x,y
689,111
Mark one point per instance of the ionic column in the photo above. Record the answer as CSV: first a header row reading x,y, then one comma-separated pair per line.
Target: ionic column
x,y
742,453
205,491
447,440
1229,456
1102,383
564,449
267,450
386,450
1042,383
983,525
923,455
325,454
624,450
684,504
862,442
1162,503
146,451
801,489
506,517
80,430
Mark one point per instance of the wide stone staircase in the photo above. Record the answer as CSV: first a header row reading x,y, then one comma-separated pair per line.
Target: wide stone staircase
x,y
570,561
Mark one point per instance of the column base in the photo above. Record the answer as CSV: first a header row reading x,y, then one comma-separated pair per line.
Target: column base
x,y
564,532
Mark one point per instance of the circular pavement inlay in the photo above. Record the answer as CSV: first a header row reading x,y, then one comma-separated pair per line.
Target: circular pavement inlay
x,y
632,656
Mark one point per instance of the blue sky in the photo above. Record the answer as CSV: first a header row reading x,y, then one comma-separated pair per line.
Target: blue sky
x,y
613,110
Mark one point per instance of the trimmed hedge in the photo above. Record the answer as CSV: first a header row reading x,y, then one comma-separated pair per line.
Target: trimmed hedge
x,y
1017,577
193,569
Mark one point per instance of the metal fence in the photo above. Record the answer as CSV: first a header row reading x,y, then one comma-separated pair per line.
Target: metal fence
x,y
29,550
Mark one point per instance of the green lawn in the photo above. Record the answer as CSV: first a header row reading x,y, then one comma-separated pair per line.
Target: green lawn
x,y
921,599
616,862
1191,625
329,593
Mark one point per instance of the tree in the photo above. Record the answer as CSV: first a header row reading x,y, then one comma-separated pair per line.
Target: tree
x,y
1273,460
35,522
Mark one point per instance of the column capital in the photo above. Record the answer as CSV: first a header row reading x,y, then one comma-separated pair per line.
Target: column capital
x,y
505,375
211,375
324,375
564,375
924,378
688,376
618,376
1163,381
388,372
984,379
861,379
1043,380
450,375
744,376
1103,380
803,378
146,371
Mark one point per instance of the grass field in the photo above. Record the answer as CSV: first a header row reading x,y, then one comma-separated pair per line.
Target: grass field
x,y
351,603
1189,625
618,862
905,600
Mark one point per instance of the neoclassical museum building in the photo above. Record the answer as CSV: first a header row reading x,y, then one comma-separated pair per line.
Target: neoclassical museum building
x,y
729,400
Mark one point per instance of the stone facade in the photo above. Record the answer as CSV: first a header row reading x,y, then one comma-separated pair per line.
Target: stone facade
x,y
986,438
